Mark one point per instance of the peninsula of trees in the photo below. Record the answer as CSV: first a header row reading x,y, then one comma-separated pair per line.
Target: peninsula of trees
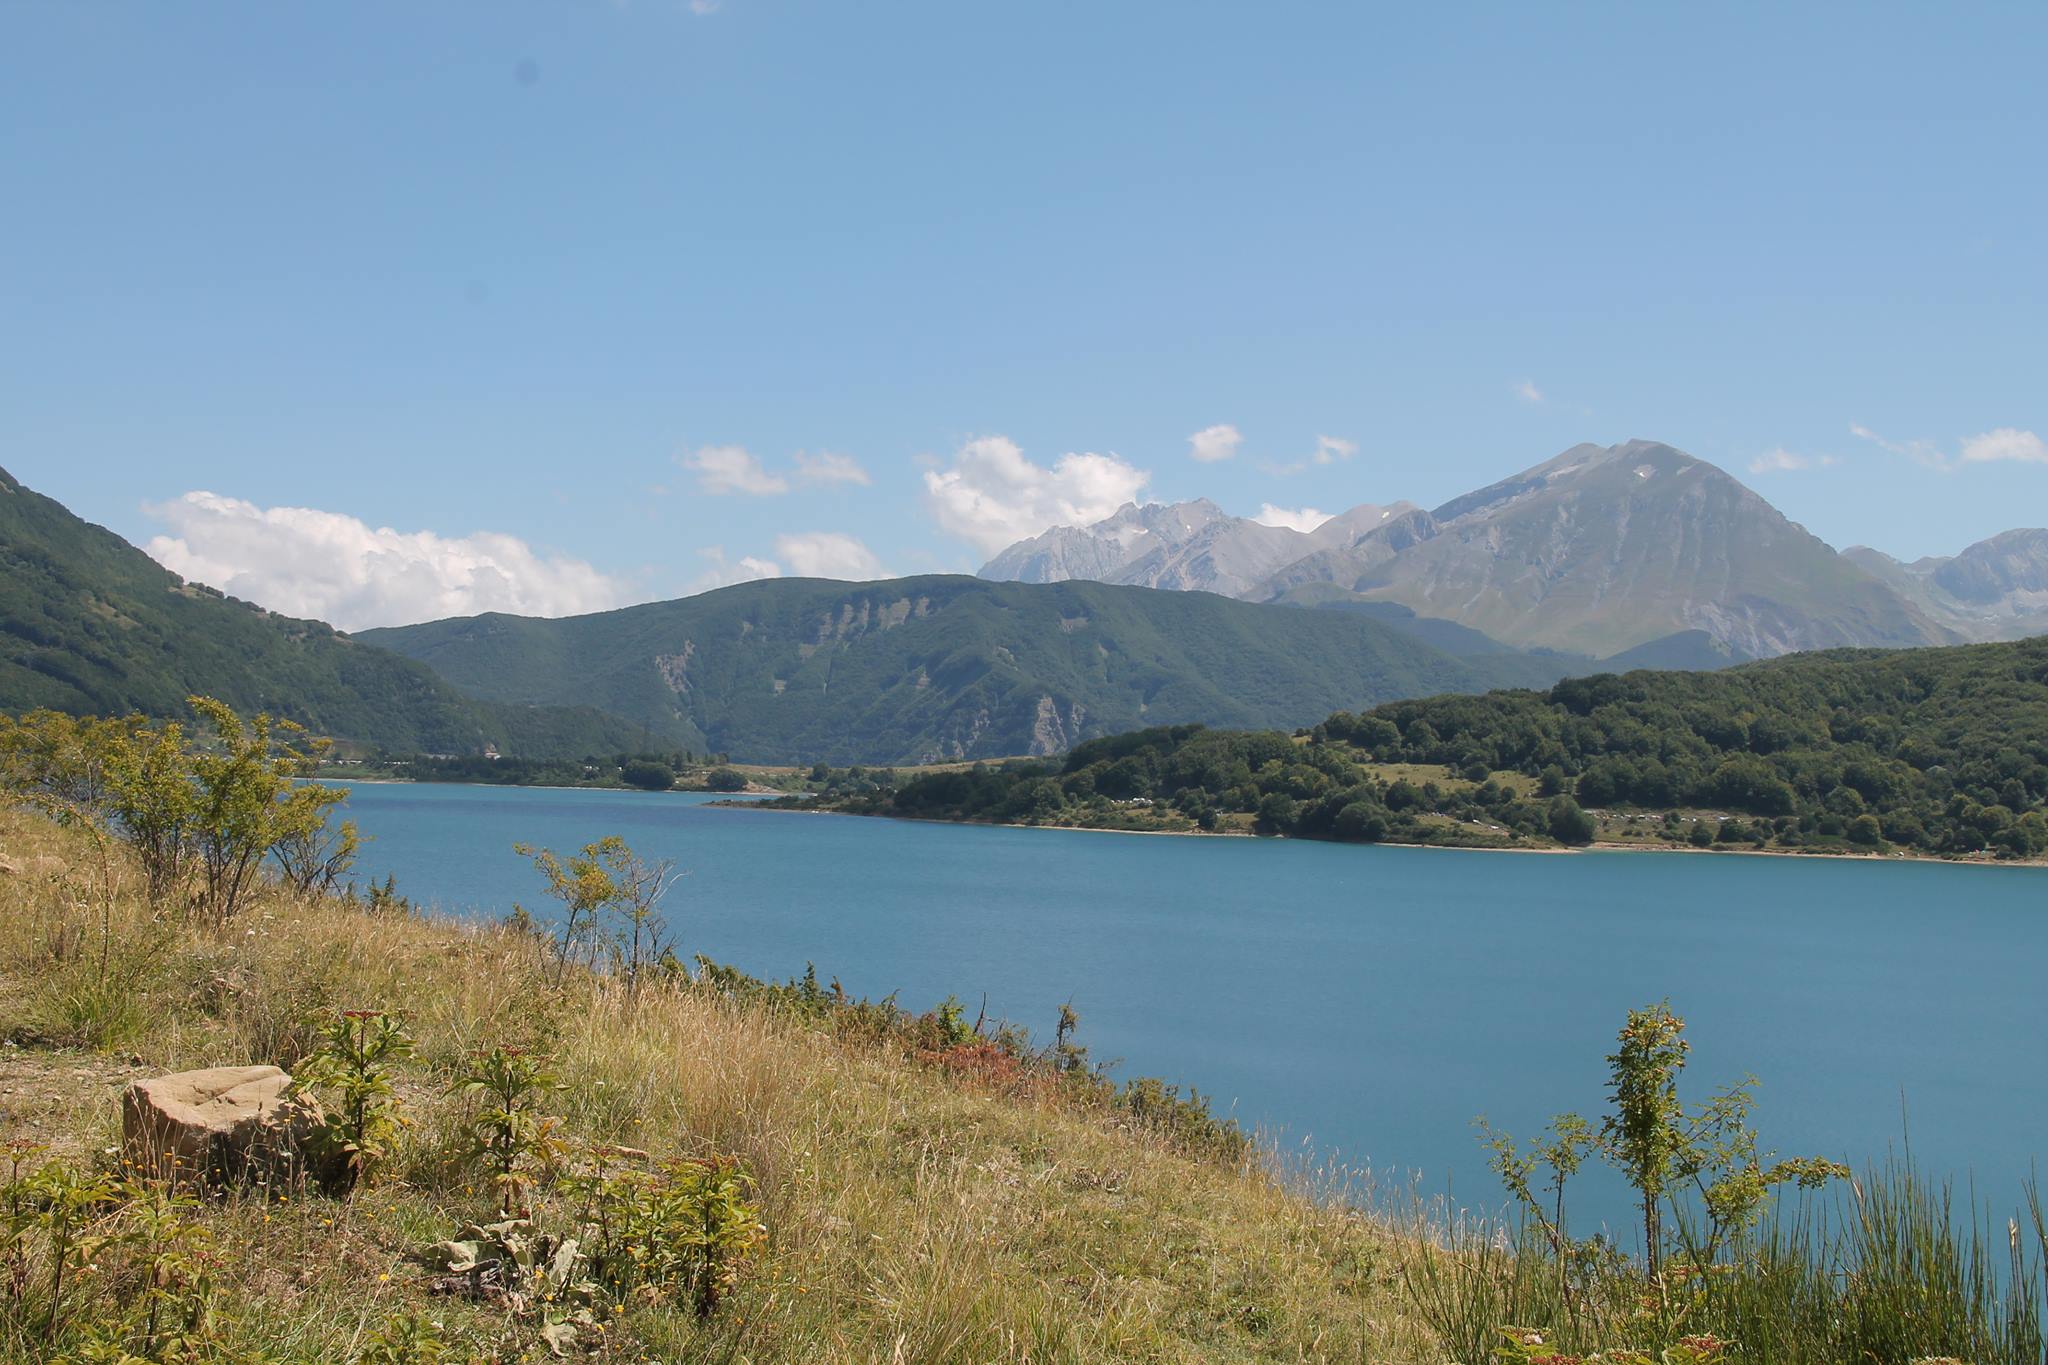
x,y
1929,752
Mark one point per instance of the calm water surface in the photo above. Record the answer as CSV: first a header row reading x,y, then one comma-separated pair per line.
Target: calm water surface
x,y
1370,1001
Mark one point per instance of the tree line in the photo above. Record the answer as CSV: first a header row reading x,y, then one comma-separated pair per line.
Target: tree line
x,y
206,809
1933,751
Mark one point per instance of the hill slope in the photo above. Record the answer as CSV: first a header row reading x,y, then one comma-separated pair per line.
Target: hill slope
x,y
1940,752
944,666
921,1206
91,625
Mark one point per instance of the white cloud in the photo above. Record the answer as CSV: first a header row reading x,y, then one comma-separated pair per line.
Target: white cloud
x,y
1782,461
1920,452
994,497
723,573
1294,519
829,467
1331,449
2002,444
703,7
1526,390
332,567
828,554
1211,444
2006,443
730,469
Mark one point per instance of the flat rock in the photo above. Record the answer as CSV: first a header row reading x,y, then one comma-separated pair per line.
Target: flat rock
x,y
221,1125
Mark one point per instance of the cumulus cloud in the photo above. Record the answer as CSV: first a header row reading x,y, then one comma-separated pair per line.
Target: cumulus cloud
x,y
993,496
1782,461
2006,443
332,567
731,469
1331,449
1293,518
829,467
1211,444
1526,390
828,554
1999,445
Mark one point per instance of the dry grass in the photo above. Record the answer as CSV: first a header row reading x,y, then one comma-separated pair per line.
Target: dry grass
x,y
912,1217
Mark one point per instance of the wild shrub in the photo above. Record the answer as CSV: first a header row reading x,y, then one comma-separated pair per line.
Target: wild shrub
x,y
510,1137
1893,1276
353,1064
246,801
313,857
680,1233
1183,1122
210,808
53,1224
409,1339
611,898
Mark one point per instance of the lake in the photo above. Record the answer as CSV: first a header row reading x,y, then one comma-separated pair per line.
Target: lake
x,y
1368,1001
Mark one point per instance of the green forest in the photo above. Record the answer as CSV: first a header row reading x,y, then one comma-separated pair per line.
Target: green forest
x,y
1934,752
944,666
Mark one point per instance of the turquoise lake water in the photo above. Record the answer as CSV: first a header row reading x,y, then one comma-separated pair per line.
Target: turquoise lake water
x,y
1369,1001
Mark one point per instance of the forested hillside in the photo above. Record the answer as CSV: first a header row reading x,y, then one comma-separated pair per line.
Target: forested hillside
x,y
1933,751
945,666
91,625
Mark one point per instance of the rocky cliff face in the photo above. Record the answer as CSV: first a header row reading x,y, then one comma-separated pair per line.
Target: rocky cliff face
x,y
1109,549
1187,546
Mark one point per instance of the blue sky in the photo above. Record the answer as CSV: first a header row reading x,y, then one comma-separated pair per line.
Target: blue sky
x,y
485,273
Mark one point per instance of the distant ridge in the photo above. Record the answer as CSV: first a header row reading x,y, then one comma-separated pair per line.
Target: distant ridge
x,y
948,666
1600,551
1996,589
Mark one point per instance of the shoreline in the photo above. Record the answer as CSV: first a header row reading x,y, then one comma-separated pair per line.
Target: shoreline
x,y
543,786
1596,847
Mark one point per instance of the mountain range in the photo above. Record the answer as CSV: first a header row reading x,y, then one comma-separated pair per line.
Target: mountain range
x,y
1598,551
1602,559
777,670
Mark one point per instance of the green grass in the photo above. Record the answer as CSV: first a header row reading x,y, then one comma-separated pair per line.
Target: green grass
x,y
914,1213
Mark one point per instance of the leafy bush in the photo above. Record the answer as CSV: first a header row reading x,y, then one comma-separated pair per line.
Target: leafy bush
x,y
510,1137
611,897
682,1231
354,1060
207,810
648,775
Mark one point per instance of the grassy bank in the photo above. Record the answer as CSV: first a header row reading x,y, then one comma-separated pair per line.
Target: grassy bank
x,y
915,1212
924,1189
